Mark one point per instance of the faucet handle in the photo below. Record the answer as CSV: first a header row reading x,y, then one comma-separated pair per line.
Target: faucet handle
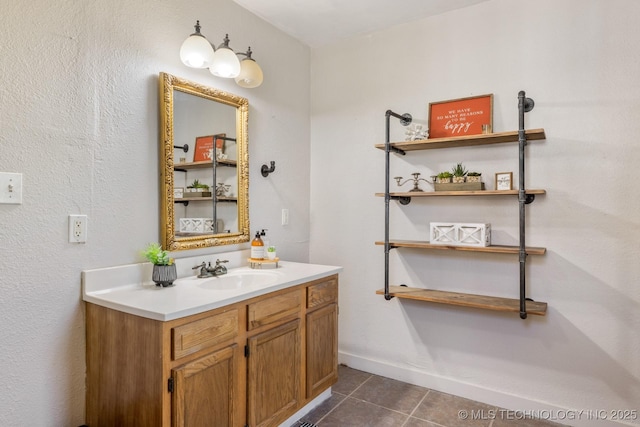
x,y
203,265
218,261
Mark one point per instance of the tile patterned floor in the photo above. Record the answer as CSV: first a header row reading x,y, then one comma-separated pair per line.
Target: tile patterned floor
x,y
361,399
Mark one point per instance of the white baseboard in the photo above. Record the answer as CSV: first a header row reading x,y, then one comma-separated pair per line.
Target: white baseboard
x,y
292,421
544,410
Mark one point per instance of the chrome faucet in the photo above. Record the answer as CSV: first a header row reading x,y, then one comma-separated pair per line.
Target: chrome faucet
x,y
219,269
206,270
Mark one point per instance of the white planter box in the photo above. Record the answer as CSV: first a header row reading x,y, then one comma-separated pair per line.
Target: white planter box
x,y
460,234
194,225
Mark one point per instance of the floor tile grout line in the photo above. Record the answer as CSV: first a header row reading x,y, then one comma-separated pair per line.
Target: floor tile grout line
x,y
345,397
331,410
361,384
416,407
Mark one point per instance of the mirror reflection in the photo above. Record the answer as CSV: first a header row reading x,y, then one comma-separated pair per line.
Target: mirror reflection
x,y
204,166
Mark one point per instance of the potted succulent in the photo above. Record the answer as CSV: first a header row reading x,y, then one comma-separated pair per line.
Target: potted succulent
x,y
271,252
164,269
197,187
444,177
459,172
474,177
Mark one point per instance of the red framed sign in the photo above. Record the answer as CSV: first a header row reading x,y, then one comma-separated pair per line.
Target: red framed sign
x,y
204,147
458,117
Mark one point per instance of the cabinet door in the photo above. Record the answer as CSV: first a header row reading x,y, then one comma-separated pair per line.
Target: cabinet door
x,y
206,390
274,369
322,349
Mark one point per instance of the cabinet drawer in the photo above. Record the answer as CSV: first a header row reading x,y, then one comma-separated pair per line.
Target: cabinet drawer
x,y
322,293
273,309
204,333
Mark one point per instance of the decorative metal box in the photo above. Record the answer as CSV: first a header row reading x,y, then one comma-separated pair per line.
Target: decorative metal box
x,y
460,234
194,225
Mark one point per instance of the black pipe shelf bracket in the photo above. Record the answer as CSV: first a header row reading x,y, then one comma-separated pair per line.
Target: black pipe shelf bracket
x,y
184,147
524,106
405,120
265,170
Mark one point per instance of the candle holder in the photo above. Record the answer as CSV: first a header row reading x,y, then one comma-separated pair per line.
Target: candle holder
x,y
416,179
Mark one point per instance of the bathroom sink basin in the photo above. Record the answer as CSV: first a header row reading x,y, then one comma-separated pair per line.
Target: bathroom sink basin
x,y
245,279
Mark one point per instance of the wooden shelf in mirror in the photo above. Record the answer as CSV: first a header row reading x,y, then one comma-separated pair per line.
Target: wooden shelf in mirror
x,y
203,165
466,141
496,249
201,199
465,300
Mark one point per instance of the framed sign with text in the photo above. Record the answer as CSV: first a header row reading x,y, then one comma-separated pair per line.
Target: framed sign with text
x,y
204,149
459,117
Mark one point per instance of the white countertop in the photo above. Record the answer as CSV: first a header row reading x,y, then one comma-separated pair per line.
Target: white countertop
x,y
129,289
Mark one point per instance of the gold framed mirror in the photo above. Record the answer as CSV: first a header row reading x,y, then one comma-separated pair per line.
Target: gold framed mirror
x,y
204,166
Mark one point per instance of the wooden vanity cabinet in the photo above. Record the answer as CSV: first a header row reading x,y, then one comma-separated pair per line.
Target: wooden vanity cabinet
x,y
322,336
253,363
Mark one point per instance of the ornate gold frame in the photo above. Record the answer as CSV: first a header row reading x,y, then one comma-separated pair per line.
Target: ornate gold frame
x,y
168,84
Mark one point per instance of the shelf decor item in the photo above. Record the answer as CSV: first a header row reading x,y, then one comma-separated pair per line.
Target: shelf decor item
x,y
474,177
416,180
460,234
459,172
204,149
504,181
460,117
458,175
444,178
197,189
164,270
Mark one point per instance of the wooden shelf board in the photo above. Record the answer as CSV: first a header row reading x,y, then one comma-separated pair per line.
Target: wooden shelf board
x,y
200,199
497,249
462,193
203,165
466,141
465,300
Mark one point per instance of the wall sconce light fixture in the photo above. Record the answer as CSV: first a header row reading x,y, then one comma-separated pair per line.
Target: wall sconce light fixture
x,y
197,52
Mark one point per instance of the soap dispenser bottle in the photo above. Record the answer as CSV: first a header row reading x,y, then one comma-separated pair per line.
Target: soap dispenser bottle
x,y
257,247
265,239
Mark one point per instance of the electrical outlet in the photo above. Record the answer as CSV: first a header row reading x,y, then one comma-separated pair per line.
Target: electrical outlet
x,y
77,228
285,216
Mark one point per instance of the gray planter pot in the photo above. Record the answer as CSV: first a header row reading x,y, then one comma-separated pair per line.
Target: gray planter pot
x,y
164,275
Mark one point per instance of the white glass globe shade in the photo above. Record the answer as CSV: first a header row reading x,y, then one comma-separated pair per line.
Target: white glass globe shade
x,y
225,63
196,52
250,74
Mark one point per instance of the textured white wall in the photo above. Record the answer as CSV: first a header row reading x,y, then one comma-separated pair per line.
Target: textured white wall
x,y
79,119
578,60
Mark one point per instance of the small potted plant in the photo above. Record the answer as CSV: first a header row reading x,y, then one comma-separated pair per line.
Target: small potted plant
x,y
271,252
197,187
474,177
444,177
164,269
459,172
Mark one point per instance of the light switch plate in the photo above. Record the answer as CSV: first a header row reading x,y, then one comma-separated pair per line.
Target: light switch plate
x,y
10,188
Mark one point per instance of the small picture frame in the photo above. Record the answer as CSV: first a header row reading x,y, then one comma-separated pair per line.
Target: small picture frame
x,y
178,192
504,181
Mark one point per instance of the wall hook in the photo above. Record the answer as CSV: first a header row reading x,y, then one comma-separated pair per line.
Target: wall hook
x,y
267,170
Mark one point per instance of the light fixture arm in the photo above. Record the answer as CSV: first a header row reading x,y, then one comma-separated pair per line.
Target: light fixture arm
x,y
224,44
247,53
